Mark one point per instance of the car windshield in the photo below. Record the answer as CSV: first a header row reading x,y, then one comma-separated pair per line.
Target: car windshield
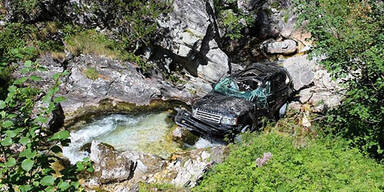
x,y
246,89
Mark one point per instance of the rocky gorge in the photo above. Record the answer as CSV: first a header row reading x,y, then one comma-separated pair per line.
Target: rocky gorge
x,y
190,43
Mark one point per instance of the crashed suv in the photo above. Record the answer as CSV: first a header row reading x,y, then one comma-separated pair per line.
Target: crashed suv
x,y
238,102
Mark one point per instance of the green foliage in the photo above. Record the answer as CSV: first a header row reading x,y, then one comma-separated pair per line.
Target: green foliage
x,y
30,152
323,165
233,20
350,33
24,8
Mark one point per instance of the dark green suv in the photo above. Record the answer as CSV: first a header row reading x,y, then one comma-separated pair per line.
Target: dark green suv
x,y
237,102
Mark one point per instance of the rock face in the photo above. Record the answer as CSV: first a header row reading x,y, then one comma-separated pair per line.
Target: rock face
x,y
92,79
183,169
189,39
277,18
315,83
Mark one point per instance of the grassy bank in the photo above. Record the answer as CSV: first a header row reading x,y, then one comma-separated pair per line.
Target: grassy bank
x,y
324,164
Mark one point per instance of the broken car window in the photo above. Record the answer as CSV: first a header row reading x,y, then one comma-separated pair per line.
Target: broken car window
x,y
248,89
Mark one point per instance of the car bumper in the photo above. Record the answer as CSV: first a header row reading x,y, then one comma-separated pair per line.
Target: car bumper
x,y
185,119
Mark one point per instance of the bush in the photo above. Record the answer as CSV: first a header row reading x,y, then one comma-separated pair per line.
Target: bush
x,y
233,20
350,33
31,158
323,165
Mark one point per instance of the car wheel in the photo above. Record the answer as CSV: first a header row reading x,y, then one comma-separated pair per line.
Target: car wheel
x,y
282,111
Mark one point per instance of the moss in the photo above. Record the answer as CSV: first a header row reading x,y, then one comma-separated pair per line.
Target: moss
x,y
286,16
91,73
275,5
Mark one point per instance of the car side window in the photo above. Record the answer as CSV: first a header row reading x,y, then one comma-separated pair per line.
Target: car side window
x,y
278,82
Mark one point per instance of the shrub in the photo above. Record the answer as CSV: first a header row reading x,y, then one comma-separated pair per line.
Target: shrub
x,y
270,162
30,158
350,33
233,20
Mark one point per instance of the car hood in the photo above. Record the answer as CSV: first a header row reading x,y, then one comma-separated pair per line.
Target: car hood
x,y
227,105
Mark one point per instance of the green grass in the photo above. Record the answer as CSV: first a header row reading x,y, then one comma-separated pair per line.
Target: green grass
x,y
145,187
91,73
322,165
92,42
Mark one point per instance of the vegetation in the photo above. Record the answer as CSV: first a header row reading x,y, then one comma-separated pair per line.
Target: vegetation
x,y
30,157
91,73
232,19
145,187
350,34
322,165
91,42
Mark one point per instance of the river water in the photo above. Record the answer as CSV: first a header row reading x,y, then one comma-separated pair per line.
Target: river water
x,y
147,133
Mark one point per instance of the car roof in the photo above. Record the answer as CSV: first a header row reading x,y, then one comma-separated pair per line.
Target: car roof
x,y
265,67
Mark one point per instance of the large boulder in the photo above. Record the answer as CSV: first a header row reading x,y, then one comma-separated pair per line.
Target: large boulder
x,y
314,82
110,166
190,34
285,47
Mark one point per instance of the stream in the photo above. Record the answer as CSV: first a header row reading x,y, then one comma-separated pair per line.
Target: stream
x,y
150,133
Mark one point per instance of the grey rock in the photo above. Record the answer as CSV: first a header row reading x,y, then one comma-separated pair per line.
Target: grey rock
x,y
115,80
301,69
109,165
284,47
249,5
183,169
190,32
276,18
316,85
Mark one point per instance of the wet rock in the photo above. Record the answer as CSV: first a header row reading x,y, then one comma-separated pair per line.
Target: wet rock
x,y
285,47
189,37
109,165
183,136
